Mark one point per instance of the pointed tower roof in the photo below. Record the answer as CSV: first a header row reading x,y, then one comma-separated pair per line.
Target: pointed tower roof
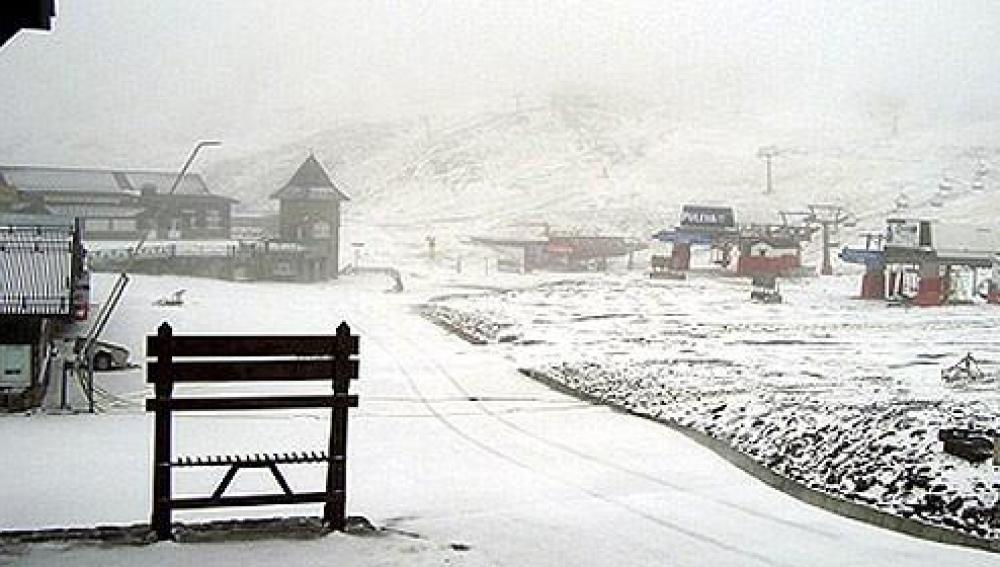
x,y
310,182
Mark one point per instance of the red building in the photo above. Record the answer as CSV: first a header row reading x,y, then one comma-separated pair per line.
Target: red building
x,y
768,255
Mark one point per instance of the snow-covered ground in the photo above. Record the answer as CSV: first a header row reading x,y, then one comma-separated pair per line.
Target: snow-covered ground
x,y
844,396
452,448
452,445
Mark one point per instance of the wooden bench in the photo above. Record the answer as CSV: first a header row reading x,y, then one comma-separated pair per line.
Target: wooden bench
x,y
181,360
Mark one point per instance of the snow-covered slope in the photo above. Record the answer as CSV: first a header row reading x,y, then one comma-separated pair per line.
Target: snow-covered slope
x,y
590,162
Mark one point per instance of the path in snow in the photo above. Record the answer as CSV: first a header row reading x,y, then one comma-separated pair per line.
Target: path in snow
x,y
450,443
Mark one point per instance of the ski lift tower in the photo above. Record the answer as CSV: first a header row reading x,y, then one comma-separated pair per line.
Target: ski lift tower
x,y
767,153
829,218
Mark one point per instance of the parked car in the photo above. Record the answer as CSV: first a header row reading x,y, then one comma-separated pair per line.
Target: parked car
x,y
106,356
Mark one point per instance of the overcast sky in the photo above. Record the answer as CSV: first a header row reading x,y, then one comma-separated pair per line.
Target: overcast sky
x,y
144,78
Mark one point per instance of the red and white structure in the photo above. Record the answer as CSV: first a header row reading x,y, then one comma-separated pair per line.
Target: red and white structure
x,y
774,254
941,259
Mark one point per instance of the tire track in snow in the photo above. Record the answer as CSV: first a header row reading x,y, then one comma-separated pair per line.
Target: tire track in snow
x,y
670,526
612,465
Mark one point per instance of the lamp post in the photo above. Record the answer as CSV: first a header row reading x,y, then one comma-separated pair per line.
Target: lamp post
x,y
85,358
177,182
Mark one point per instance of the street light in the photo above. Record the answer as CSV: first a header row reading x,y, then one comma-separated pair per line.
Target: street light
x,y
177,182
85,358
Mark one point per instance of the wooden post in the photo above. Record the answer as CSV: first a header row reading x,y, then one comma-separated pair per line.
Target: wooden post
x,y
335,510
161,437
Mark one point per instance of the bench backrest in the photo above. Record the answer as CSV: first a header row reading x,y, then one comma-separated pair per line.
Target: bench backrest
x,y
203,359
278,358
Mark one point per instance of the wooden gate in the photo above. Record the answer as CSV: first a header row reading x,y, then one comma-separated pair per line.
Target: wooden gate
x,y
181,360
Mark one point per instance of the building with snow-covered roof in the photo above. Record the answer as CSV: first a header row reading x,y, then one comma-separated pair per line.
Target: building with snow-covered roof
x,y
915,241
124,204
43,284
760,254
309,215
9,197
938,259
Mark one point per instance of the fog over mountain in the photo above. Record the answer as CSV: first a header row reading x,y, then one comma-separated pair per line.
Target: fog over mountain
x,y
612,282
133,83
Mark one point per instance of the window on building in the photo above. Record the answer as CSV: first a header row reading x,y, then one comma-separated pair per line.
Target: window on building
x,y
284,268
77,200
97,224
190,218
213,218
321,230
123,225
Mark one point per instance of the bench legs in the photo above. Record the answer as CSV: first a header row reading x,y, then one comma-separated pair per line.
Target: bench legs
x,y
161,501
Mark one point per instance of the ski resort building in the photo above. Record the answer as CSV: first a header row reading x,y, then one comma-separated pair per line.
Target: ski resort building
x,y
929,263
761,249
9,198
771,250
309,217
303,247
714,227
561,252
123,204
43,285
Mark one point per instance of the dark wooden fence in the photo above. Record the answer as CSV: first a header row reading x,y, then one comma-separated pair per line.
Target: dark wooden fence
x,y
231,359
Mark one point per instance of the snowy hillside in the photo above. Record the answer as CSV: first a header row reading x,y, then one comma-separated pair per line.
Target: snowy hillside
x,y
590,162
